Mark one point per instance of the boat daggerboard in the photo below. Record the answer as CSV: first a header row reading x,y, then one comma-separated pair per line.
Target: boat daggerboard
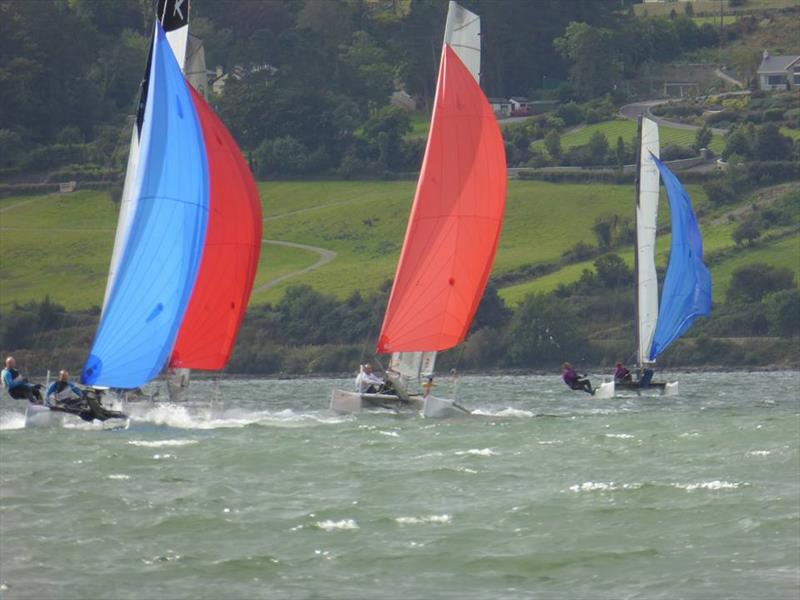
x,y
174,16
686,293
230,256
455,222
646,226
161,256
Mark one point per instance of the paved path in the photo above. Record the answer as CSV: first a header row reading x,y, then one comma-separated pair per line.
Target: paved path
x,y
325,256
633,110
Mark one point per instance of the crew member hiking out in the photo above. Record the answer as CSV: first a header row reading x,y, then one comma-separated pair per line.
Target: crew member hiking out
x,y
575,381
18,386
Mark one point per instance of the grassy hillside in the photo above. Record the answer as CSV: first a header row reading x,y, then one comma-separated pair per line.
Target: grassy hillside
x,y
627,129
61,244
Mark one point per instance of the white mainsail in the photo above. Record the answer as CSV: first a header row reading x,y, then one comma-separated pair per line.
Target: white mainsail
x,y
646,225
462,32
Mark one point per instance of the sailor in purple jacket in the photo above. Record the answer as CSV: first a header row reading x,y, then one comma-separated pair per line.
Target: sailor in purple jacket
x,y
621,373
574,381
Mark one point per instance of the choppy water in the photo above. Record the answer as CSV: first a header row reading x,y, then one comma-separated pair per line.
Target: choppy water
x,y
549,494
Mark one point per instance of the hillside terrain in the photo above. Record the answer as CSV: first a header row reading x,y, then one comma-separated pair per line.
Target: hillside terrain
x,y
61,244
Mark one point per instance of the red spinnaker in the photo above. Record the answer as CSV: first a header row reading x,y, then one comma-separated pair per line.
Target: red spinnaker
x,y
230,257
455,221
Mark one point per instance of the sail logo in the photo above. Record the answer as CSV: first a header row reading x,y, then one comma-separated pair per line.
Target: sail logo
x,y
177,10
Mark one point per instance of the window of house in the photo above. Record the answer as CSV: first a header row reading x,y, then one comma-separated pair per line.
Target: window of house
x,y
776,79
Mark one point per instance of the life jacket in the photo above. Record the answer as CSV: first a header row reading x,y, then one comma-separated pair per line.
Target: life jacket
x,y
63,391
15,376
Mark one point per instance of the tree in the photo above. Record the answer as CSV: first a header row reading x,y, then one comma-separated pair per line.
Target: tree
x,y
738,142
598,148
748,232
783,312
543,331
552,141
593,55
612,271
619,153
771,144
751,283
384,131
602,231
702,138
492,311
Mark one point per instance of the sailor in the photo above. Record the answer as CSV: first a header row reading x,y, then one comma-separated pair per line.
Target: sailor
x,y
427,387
366,382
63,392
574,381
621,373
18,386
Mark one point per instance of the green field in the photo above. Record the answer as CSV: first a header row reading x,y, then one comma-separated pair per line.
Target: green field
x,y
61,244
627,129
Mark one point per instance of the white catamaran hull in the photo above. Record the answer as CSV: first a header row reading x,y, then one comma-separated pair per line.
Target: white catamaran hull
x,y
442,408
344,402
609,389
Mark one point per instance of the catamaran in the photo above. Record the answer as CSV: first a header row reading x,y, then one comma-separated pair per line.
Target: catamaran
x,y
686,293
188,236
452,232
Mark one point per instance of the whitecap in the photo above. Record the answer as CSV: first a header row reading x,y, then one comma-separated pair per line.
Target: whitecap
x,y
506,412
390,433
477,452
119,476
621,436
424,519
12,421
163,456
161,443
610,486
759,453
343,524
710,485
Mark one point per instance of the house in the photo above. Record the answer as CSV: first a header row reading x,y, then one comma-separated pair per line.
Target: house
x,y
519,105
500,106
776,72
219,78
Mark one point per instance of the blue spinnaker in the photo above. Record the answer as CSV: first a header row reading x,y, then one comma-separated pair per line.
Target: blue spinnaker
x,y
160,262
686,294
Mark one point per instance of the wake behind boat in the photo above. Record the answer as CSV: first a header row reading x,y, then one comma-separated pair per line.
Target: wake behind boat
x,y
86,409
453,229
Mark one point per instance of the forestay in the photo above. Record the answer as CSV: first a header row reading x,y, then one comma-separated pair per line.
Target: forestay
x,y
687,286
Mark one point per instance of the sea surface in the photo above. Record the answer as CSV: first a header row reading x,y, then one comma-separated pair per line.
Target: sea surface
x,y
546,494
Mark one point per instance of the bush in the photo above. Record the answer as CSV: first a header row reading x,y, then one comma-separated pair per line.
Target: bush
x,y
720,191
773,114
751,283
675,152
783,312
571,113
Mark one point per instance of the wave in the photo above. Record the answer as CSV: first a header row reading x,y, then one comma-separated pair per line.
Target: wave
x,y
442,519
188,417
343,524
611,486
161,443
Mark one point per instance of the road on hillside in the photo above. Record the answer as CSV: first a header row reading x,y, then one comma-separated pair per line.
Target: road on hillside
x,y
633,110
325,256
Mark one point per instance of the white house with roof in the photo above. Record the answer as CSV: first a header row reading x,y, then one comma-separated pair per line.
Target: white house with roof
x,y
519,103
775,72
500,106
